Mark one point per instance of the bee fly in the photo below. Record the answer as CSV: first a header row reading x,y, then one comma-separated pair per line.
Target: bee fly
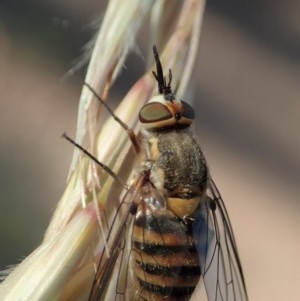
x,y
174,228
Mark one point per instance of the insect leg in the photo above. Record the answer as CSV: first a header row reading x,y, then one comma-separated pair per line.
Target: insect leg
x,y
105,167
130,132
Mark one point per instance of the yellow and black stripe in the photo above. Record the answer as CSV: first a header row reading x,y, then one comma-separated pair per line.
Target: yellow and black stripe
x,y
165,259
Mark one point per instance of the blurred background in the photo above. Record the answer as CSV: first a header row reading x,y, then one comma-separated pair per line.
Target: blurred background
x,y
247,103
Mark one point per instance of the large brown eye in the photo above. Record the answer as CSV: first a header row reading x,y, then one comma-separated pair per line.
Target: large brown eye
x,y
187,111
153,112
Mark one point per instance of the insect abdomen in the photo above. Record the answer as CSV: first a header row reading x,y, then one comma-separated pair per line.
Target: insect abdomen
x,y
165,260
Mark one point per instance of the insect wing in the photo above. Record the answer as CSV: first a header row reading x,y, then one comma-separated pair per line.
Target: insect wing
x,y
109,281
107,276
218,255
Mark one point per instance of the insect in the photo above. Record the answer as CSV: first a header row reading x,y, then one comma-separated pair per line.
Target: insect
x,y
171,229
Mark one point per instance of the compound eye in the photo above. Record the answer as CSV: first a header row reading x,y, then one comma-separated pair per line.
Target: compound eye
x,y
154,112
187,111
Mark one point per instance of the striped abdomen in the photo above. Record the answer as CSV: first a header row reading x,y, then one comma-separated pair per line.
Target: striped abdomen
x,y
164,257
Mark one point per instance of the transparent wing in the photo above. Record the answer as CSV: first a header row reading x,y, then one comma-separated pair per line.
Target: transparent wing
x,y
107,275
214,239
219,259
110,280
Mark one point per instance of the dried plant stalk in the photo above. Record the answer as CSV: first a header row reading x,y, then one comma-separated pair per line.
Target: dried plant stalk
x,y
62,267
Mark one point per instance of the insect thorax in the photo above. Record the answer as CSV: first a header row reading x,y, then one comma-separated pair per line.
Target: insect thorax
x,y
178,165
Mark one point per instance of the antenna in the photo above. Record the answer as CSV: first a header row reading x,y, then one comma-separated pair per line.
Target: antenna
x,y
163,88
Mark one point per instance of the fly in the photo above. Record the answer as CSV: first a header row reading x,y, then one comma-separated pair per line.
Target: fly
x,y
171,228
